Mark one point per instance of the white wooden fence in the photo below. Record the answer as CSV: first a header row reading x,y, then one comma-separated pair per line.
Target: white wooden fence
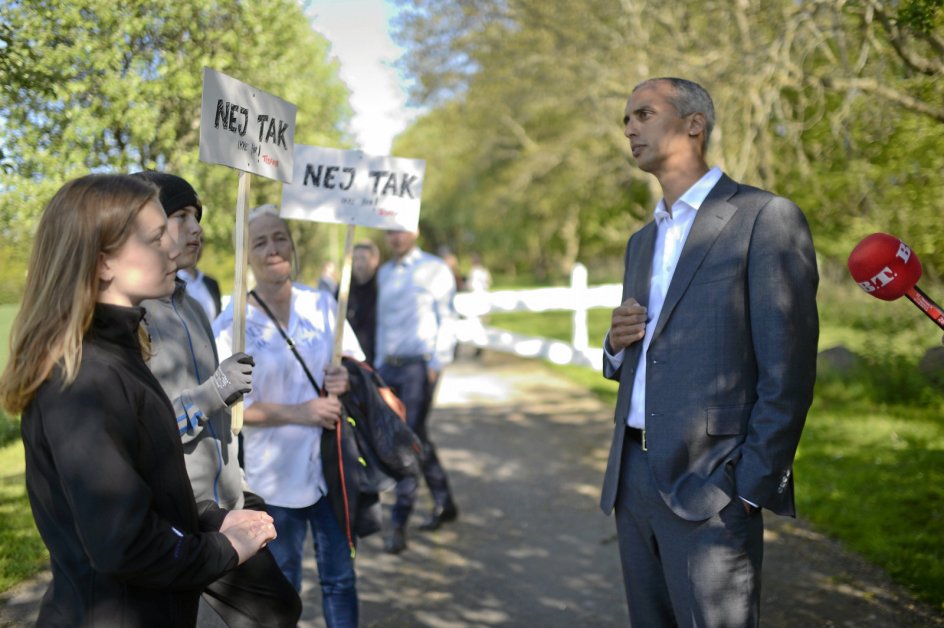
x,y
579,298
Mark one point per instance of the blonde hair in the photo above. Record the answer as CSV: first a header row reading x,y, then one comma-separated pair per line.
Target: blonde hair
x,y
88,216
265,210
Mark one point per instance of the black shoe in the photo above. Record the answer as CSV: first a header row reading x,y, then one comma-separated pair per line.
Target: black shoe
x,y
396,542
439,516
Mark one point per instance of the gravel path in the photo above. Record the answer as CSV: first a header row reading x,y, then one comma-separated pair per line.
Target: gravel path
x,y
525,451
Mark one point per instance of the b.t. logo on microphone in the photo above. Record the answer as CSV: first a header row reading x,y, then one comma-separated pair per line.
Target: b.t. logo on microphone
x,y
884,266
887,275
888,269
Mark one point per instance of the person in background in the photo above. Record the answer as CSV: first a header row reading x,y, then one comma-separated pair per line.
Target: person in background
x,y
415,340
285,416
201,389
328,281
362,300
105,471
204,289
714,347
445,253
480,280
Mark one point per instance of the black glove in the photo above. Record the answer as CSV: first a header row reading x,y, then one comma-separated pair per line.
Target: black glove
x,y
233,378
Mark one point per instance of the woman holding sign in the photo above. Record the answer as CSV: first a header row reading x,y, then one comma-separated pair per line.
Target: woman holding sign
x,y
286,413
104,465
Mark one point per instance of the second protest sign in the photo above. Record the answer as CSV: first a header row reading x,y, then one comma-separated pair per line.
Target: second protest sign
x,y
353,188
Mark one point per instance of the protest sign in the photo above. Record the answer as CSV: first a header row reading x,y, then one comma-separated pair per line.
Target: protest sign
x,y
246,128
353,188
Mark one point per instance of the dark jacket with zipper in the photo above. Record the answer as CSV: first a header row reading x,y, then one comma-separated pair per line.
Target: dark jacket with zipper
x,y
110,493
362,314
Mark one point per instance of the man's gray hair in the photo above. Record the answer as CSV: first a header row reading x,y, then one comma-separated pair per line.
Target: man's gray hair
x,y
688,97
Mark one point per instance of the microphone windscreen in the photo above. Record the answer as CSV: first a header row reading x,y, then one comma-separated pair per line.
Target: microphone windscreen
x,y
884,266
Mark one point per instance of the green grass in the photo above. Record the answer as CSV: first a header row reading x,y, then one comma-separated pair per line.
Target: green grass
x,y
22,553
873,476
552,324
7,312
9,428
870,467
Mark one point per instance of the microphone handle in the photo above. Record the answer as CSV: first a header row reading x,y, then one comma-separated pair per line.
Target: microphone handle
x,y
926,305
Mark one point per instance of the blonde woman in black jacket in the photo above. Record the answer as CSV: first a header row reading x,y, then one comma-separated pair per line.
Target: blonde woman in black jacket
x,y
105,471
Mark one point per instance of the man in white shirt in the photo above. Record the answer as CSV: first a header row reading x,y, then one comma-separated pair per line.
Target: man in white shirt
x,y
204,289
415,340
714,347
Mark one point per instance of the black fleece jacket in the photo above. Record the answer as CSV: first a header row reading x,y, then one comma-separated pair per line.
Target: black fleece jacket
x,y
110,494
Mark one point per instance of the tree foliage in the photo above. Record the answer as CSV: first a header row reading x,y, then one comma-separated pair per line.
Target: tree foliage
x,y
116,87
838,104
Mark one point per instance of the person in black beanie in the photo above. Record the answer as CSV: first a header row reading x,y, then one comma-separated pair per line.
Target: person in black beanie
x,y
185,362
177,194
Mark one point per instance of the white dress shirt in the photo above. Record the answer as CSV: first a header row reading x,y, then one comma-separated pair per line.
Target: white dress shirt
x,y
415,314
198,290
671,232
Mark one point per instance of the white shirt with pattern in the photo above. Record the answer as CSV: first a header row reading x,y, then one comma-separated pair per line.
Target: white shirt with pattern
x,y
283,463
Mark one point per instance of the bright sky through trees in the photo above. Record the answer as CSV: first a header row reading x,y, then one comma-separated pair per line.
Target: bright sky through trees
x,y
360,39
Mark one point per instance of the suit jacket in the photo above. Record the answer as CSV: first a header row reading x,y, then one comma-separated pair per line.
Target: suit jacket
x,y
213,287
732,360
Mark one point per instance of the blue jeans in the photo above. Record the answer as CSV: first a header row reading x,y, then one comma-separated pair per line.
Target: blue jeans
x,y
410,382
335,565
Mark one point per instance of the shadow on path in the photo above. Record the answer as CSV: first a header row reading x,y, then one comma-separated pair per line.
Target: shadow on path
x,y
525,451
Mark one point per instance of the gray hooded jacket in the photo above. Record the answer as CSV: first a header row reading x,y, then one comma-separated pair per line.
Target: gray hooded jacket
x,y
184,359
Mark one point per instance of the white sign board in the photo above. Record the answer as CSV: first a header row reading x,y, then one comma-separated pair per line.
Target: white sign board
x,y
352,188
246,128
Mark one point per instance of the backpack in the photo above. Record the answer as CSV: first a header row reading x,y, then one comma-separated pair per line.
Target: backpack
x,y
368,452
389,450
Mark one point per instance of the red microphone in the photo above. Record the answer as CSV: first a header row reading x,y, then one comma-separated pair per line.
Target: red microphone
x,y
887,268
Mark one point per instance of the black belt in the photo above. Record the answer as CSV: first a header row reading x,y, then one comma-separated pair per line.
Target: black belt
x,y
637,435
404,360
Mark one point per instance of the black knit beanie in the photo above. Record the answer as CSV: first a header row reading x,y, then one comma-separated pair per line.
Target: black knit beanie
x,y
176,193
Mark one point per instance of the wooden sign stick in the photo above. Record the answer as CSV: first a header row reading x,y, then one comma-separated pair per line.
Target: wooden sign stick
x,y
240,287
344,289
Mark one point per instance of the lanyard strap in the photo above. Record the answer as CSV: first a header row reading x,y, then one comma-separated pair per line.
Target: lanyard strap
x,y
288,341
337,431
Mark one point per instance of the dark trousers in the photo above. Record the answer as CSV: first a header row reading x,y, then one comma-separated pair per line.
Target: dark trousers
x,y
676,572
411,384
255,593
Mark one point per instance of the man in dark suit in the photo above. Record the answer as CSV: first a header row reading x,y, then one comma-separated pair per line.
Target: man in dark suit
x,y
714,347
362,300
